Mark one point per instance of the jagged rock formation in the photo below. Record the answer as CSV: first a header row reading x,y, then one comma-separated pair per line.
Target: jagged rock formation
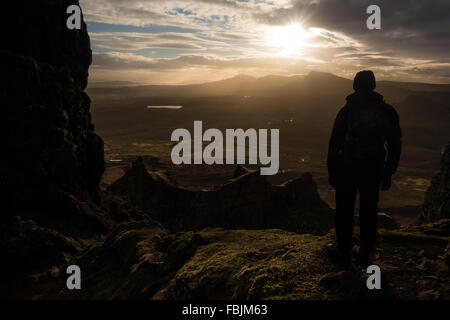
x,y
248,201
437,198
141,260
51,152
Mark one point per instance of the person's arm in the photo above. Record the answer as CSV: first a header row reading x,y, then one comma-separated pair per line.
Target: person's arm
x,y
393,143
335,145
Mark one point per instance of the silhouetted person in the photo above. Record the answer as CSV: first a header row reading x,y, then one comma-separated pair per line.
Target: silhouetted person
x,y
363,154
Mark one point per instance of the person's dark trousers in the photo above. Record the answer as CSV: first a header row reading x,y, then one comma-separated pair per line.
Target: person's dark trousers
x,y
365,180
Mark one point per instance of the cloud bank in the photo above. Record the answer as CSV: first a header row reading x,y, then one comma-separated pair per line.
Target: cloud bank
x,y
185,41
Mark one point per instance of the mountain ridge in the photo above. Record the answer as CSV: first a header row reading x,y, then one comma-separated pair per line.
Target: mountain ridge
x,y
269,85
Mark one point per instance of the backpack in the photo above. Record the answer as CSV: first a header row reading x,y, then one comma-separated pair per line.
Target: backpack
x,y
365,136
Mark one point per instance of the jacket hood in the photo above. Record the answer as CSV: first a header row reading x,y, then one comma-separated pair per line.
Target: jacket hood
x,y
364,96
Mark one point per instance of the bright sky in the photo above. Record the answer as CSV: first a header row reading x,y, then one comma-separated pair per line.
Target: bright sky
x,y
191,41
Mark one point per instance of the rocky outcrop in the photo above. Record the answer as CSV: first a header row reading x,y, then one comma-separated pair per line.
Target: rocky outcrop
x,y
211,264
437,198
52,160
141,260
140,256
50,151
248,201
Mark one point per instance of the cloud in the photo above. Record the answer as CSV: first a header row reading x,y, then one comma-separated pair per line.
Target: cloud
x,y
229,35
117,60
232,36
203,14
139,41
415,28
186,68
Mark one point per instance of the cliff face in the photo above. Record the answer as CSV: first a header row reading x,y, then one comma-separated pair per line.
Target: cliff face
x,y
50,151
437,198
51,159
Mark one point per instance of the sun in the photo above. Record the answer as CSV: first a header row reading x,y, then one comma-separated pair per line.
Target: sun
x,y
288,39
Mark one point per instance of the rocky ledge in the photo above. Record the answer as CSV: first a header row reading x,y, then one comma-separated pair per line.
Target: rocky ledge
x,y
141,260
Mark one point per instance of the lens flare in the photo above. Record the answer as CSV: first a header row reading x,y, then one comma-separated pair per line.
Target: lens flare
x,y
289,39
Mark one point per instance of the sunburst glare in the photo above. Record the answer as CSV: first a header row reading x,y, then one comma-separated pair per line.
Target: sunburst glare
x,y
288,40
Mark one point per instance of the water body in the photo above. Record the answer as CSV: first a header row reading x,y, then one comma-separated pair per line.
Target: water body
x,y
165,107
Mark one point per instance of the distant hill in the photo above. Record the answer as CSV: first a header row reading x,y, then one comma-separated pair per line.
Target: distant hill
x,y
271,85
